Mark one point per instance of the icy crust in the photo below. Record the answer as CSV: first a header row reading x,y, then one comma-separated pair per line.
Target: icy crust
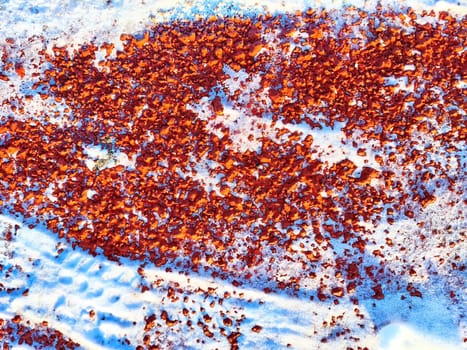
x,y
331,278
101,304
71,22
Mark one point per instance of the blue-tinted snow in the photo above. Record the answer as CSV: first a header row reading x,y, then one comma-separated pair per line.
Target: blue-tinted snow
x,y
68,285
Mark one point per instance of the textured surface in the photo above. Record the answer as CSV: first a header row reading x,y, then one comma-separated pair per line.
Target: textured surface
x,y
256,181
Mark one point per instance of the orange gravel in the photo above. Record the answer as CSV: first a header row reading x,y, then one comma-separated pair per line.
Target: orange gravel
x,y
290,202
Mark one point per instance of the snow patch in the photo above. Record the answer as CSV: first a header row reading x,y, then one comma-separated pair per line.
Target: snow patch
x,y
400,336
102,157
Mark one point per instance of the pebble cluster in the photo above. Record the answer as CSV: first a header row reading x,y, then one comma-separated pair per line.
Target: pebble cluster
x,y
14,331
210,132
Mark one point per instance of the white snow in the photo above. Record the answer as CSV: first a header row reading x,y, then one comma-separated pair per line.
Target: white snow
x,y
245,130
101,157
399,336
68,285
49,193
